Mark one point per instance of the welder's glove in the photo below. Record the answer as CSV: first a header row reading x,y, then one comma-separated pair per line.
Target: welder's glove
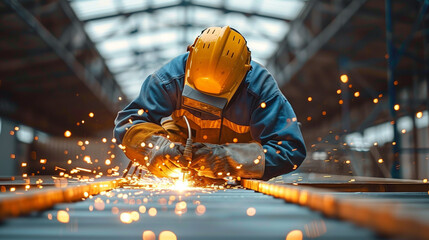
x,y
245,160
163,157
174,131
148,145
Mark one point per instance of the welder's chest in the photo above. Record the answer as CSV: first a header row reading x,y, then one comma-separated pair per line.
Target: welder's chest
x,y
211,129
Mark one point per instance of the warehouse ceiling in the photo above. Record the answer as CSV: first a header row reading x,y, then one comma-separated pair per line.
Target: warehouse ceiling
x,y
136,37
61,60
51,76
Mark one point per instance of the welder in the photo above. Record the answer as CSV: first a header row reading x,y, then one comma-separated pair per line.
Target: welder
x,y
242,126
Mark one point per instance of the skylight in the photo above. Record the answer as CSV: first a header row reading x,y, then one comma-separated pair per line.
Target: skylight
x,y
136,37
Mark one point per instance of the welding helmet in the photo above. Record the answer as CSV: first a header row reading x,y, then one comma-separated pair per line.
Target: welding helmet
x,y
217,63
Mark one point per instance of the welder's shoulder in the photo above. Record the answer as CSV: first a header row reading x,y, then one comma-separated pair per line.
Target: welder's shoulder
x,y
173,70
261,83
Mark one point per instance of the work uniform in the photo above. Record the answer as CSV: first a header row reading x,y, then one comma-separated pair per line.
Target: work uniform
x,y
258,112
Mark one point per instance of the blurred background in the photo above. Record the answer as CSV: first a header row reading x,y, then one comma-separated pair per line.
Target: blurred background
x,y
356,73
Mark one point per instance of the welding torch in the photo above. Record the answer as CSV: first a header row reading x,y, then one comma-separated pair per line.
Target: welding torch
x,y
188,149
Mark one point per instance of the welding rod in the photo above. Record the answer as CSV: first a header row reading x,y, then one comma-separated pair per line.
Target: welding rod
x,y
127,169
135,169
140,173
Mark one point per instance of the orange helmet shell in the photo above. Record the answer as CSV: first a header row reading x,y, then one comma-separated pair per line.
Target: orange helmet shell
x,y
218,61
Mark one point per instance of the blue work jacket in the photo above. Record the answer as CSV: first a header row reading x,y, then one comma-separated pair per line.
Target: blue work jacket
x,y
257,112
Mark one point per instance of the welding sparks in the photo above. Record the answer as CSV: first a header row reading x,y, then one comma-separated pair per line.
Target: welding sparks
x,y
67,134
251,212
142,209
152,212
87,159
125,217
83,169
99,204
200,210
294,235
63,216
167,235
181,185
180,208
135,216
419,115
396,107
148,235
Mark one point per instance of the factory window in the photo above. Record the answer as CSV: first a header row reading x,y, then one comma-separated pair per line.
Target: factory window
x,y
25,134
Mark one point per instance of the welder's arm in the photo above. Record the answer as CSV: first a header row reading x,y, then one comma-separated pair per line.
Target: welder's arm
x,y
147,144
244,160
157,99
276,127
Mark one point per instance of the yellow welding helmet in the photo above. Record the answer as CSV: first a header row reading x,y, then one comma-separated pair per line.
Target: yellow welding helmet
x,y
217,63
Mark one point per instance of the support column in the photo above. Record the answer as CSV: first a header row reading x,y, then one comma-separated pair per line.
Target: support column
x,y
392,58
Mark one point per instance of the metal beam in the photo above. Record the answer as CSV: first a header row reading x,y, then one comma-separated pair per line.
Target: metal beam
x,y
320,40
69,59
391,60
253,14
127,14
13,205
115,90
298,22
366,212
187,4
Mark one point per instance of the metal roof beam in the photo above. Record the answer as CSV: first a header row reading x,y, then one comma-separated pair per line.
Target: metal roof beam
x,y
127,14
303,55
248,14
69,59
187,4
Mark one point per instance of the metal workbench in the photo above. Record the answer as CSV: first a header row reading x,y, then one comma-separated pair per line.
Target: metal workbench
x,y
297,212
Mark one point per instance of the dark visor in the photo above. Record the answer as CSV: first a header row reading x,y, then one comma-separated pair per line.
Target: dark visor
x,y
196,100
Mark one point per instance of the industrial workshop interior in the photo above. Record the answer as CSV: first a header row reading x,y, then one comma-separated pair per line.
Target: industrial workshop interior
x,y
214,119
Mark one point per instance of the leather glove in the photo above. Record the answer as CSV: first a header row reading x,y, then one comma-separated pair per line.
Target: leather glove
x,y
163,157
245,160
148,145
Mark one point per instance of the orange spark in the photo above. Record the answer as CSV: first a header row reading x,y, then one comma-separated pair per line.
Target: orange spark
x,y
148,235
63,216
67,134
251,211
167,235
125,217
344,78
